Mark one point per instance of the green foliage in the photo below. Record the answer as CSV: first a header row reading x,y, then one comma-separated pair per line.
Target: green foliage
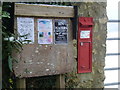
x,y
9,43
52,3
5,14
71,80
10,63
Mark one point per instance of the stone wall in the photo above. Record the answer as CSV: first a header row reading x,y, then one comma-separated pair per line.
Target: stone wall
x,y
95,79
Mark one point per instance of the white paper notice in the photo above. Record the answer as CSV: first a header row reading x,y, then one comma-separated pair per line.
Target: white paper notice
x,y
45,35
85,34
25,27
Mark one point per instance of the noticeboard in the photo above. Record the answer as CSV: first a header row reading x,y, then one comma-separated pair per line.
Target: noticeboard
x,y
49,52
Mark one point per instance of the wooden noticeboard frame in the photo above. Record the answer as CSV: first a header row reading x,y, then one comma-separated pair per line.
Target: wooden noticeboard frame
x,y
37,59
44,10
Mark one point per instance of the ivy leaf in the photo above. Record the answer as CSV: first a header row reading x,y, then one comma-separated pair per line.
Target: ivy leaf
x,y
10,63
5,14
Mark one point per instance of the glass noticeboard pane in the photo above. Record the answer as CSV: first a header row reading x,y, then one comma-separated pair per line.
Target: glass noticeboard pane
x,y
61,31
45,28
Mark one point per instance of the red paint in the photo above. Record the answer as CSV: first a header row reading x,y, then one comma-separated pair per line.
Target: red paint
x,y
85,26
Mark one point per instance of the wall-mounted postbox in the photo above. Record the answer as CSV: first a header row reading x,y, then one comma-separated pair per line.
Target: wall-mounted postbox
x,y
85,26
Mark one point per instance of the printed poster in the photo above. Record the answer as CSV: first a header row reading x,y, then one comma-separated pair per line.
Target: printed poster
x,y
25,27
45,35
61,31
85,34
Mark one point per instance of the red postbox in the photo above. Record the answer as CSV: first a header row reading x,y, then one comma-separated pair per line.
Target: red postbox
x,y
85,26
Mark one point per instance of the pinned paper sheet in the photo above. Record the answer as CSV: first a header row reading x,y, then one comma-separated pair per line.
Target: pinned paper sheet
x,y
45,35
85,34
61,31
25,27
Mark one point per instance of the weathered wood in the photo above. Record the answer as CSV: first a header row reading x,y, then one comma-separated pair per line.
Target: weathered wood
x,y
48,60
21,84
60,82
44,10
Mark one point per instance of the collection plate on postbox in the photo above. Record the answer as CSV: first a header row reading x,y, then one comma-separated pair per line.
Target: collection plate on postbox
x,y
85,26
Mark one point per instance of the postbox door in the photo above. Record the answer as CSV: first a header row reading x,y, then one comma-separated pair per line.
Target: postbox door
x,y
84,59
85,45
